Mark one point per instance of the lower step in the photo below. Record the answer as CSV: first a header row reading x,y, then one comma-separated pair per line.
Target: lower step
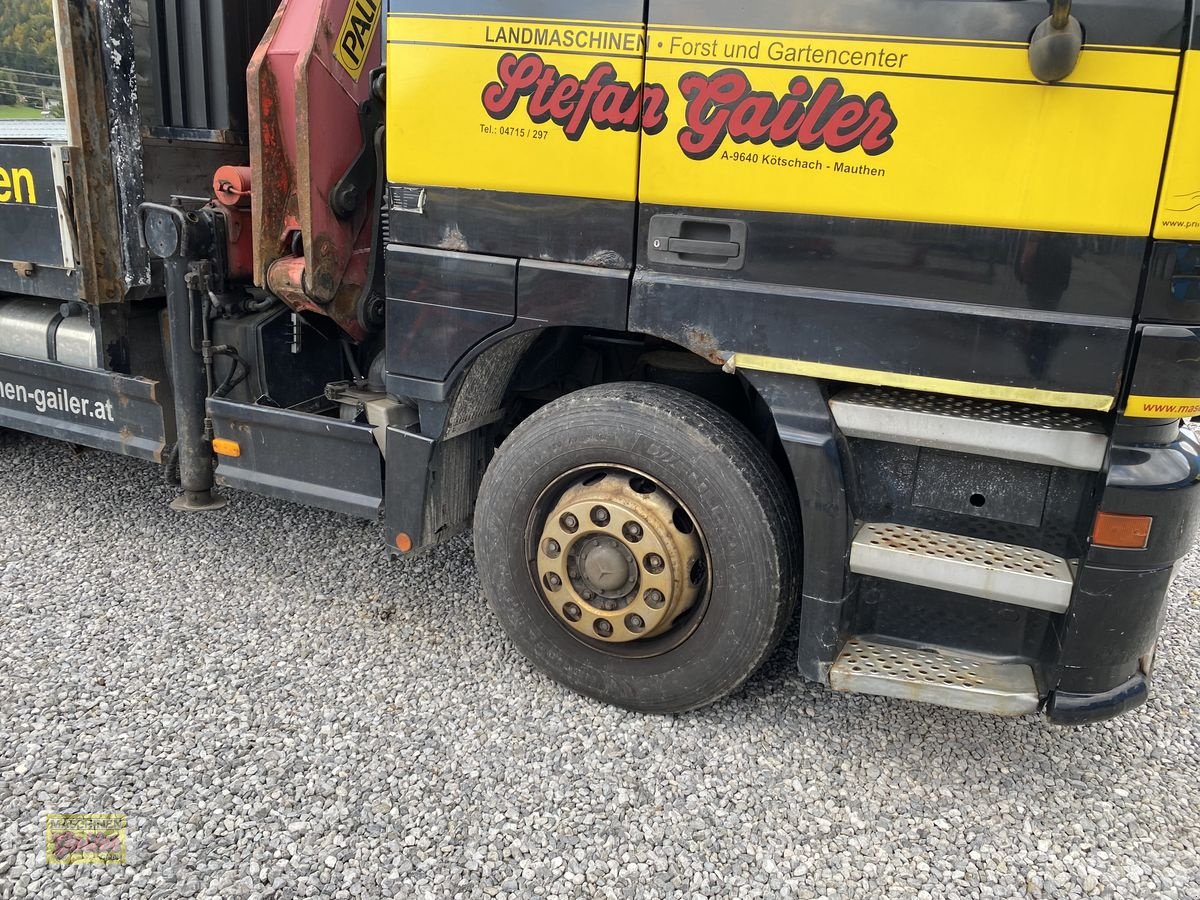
x,y
935,675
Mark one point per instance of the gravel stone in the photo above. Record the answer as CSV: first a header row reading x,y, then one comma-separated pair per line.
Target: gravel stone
x,y
283,712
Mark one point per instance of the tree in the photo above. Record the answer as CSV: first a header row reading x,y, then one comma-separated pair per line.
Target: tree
x,y
27,37
8,90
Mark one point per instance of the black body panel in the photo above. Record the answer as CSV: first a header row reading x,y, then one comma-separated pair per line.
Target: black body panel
x,y
280,373
1114,620
563,229
1168,362
53,284
801,412
442,304
199,52
1044,274
1069,708
445,308
1159,481
303,458
558,294
83,406
933,339
1173,284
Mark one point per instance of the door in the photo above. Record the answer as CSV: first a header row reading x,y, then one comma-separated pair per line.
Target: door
x,y
879,191
513,150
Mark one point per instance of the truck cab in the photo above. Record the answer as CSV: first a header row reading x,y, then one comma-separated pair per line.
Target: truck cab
x,y
879,316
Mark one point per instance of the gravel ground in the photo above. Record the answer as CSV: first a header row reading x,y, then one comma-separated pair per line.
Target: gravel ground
x,y
283,712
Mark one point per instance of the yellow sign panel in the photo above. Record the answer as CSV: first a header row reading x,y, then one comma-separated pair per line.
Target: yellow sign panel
x,y
1162,407
17,186
881,128
524,106
1179,207
919,130
357,35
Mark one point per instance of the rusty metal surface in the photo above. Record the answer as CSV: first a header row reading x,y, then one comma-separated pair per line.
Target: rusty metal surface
x,y
285,279
96,41
304,136
270,160
94,191
618,560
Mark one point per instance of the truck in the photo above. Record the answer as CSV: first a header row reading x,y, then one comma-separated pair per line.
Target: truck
x,y
876,320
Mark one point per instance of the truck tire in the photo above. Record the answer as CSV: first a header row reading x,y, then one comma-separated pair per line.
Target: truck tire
x,y
639,546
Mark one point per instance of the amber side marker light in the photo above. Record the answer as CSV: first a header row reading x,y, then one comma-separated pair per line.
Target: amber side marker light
x,y
226,447
404,543
1120,532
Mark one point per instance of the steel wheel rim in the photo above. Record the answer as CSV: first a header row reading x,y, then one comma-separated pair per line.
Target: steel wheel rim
x,y
618,560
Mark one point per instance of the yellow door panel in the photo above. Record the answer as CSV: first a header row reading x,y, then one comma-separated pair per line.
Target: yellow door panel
x,y
909,130
1179,206
526,106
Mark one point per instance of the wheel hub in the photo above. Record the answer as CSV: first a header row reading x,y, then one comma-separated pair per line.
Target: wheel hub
x,y
604,567
619,560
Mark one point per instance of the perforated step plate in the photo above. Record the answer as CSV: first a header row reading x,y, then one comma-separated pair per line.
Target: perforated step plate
x,y
1005,573
934,675
1052,437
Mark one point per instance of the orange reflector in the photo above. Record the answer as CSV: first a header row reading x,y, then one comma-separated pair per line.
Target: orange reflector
x,y
1122,532
403,542
226,447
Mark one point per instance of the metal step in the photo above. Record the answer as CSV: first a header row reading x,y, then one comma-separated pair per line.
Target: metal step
x,y
934,675
1005,573
1051,437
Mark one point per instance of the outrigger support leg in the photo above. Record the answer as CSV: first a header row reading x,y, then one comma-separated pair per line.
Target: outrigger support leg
x,y
181,239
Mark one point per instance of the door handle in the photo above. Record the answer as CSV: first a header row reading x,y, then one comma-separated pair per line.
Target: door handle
x,y
722,249
697,241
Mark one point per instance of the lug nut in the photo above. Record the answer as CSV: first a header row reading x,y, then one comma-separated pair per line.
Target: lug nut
x,y
603,628
632,532
600,516
654,564
635,623
553,582
655,599
553,549
572,612
569,523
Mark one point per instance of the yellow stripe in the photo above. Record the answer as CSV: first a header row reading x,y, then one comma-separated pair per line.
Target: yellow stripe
x,y
847,35
1098,402
1162,407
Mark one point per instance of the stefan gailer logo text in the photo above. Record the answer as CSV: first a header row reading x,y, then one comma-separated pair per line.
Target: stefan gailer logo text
x,y
719,107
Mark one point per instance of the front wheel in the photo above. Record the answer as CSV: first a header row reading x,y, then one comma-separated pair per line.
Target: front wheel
x,y
639,546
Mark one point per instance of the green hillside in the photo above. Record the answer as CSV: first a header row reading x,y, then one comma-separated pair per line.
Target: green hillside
x,y
27,36
28,61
